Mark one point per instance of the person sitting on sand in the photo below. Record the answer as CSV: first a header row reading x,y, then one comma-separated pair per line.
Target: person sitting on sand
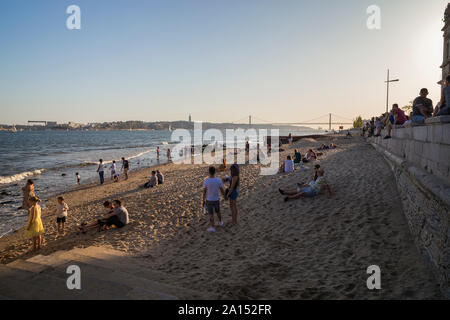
x,y
116,177
297,158
309,191
287,166
310,156
28,192
153,182
160,177
117,216
34,228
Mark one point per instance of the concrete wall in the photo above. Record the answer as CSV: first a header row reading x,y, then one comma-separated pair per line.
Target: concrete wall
x,y
420,159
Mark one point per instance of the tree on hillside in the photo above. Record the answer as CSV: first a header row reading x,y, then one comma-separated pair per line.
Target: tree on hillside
x,y
408,108
357,123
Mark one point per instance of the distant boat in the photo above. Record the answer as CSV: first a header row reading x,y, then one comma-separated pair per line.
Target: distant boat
x,y
170,128
13,129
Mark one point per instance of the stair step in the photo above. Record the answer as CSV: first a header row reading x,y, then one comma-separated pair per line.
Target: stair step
x,y
95,276
28,266
13,273
105,274
124,264
99,251
130,280
21,284
51,260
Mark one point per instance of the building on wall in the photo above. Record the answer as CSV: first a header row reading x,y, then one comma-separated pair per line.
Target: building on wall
x,y
446,57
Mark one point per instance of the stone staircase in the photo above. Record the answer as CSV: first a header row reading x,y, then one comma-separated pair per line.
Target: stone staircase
x,y
105,274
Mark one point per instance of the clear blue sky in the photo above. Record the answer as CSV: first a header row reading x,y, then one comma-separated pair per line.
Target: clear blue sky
x,y
279,60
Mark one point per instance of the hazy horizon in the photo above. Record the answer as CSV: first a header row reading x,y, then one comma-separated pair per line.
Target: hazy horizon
x,y
280,61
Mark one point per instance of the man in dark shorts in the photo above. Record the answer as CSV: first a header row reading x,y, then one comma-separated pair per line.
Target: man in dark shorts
x,y
118,218
211,197
125,167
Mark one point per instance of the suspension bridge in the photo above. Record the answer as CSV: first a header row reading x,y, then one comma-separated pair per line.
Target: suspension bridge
x,y
328,119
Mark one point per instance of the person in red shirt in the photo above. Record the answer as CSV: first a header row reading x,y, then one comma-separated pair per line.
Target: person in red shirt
x,y
399,119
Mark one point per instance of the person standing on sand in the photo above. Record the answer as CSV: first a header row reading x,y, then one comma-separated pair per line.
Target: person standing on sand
x,y
61,214
113,169
101,171
211,198
34,228
28,192
232,193
168,154
125,167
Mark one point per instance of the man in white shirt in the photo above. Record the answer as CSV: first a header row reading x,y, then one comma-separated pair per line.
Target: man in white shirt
x,y
113,169
211,197
101,171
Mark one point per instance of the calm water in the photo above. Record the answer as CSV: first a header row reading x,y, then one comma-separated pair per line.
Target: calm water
x,y
51,159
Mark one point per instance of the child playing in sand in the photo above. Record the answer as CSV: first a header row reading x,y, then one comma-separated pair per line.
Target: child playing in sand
x,y
211,198
61,214
78,178
34,228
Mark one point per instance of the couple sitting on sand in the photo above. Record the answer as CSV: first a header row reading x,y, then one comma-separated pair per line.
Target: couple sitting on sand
x,y
309,190
117,216
156,178
325,147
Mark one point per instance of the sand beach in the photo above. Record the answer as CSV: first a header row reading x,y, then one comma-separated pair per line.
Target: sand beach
x,y
305,249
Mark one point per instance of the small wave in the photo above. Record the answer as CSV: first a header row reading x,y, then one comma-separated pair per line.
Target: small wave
x,y
20,176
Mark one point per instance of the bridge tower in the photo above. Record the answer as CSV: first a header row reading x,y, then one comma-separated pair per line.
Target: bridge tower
x,y
329,124
249,120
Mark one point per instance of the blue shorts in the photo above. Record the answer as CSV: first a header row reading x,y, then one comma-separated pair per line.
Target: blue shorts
x,y
234,195
309,192
418,119
391,119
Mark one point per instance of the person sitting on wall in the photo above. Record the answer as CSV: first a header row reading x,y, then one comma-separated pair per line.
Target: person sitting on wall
x,y
422,107
399,119
444,108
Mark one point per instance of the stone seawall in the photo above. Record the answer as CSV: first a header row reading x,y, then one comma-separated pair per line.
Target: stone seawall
x,y
420,159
